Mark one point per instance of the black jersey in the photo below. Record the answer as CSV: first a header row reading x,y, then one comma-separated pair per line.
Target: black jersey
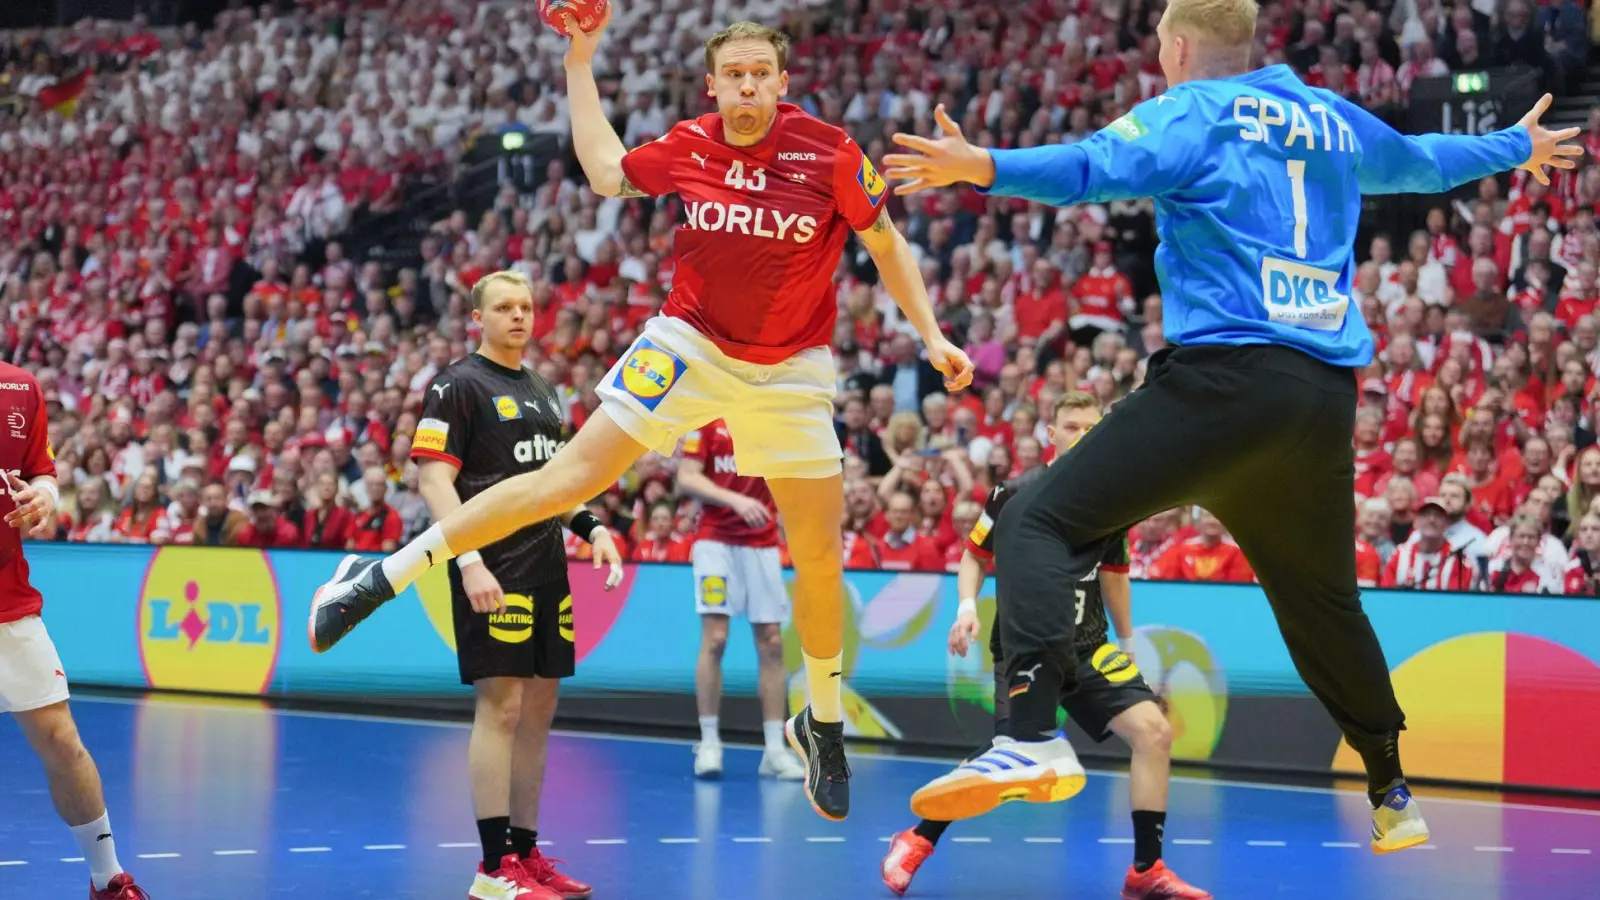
x,y
1093,625
492,422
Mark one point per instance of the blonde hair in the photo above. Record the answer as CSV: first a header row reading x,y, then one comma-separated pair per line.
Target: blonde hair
x,y
1073,400
745,30
505,276
1230,23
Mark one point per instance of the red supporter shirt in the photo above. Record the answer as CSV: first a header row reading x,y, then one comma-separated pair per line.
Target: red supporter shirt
x,y
672,550
1369,565
284,535
374,527
1192,560
328,529
712,447
766,226
909,552
24,449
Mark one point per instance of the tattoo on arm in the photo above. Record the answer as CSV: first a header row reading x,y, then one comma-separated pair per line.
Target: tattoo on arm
x,y
882,223
628,191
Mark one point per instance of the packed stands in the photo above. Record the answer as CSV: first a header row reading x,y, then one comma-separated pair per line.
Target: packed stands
x,y
175,212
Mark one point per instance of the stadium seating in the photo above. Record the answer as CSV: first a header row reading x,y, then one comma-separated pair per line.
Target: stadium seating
x,y
188,261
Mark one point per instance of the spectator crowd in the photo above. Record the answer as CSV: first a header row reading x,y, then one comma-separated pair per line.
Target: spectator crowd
x,y
174,211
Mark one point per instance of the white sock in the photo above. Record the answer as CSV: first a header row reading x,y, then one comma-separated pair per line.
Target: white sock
x,y
708,730
101,854
824,679
406,565
773,732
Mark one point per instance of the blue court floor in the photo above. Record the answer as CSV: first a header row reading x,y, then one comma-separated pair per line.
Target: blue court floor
x,y
215,801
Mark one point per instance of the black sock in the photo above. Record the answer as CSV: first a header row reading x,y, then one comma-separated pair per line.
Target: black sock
x,y
523,841
1148,827
492,834
931,830
1035,683
1382,759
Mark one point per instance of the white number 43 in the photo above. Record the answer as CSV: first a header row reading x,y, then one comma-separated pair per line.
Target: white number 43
x,y
737,180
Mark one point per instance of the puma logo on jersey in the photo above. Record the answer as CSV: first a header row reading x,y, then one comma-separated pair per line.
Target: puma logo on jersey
x,y
755,222
698,158
439,389
797,157
540,449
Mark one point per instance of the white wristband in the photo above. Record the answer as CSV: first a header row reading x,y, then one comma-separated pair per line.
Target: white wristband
x,y
968,605
1125,644
468,558
49,487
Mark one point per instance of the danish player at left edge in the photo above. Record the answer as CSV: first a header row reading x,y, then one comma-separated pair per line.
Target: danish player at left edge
x,y
33,684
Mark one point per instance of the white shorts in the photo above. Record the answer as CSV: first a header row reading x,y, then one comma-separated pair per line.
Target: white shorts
x,y
733,580
674,380
30,671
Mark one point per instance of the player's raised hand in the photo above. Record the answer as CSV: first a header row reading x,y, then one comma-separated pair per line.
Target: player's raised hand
x,y
1549,147
938,163
580,43
34,507
963,632
952,363
483,589
607,554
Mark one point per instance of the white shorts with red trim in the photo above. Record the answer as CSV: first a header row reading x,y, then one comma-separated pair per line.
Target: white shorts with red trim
x,y
734,580
30,670
674,380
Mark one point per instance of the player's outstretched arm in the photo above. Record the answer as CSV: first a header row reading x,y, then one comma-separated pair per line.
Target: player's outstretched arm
x,y
902,278
1151,150
595,142
1395,163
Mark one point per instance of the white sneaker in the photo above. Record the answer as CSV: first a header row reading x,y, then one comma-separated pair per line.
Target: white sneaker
x,y
1397,824
782,765
1037,772
707,760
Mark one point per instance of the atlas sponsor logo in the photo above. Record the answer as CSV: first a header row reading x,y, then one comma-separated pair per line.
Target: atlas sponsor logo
x,y
540,449
757,221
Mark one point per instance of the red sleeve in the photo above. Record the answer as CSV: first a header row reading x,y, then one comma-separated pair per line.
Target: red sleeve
x,y
929,559
1391,569
696,447
1239,568
859,191
37,459
1166,567
649,167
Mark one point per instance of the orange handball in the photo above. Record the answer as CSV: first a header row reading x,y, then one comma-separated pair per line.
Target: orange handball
x,y
588,13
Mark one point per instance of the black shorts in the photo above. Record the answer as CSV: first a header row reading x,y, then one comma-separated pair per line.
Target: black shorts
x,y
1109,684
533,638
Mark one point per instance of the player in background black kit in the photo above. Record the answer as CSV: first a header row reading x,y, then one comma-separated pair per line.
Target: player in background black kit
x,y
486,418
1112,697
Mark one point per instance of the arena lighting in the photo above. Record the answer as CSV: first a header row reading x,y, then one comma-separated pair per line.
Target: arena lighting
x,y
512,141
1471,82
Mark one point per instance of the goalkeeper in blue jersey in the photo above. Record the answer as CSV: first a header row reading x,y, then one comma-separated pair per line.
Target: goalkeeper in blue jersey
x,y
1257,182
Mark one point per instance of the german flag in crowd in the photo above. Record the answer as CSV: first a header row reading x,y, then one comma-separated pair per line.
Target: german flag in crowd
x,y
62,97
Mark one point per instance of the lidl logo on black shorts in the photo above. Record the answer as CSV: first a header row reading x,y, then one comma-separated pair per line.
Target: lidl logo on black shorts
x,y
507,409
1116,666
648,373
713,590
515,625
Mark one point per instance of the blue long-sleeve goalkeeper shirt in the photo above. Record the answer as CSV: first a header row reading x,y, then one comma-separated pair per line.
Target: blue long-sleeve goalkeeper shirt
x,y
1257,182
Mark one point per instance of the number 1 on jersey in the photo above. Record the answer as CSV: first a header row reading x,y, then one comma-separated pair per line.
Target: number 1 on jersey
x,y
757,180
1297,196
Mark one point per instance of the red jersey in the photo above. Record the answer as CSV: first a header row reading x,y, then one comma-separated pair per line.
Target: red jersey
x,y
1192,560
283,534
1369,565
674,550
766,226
24,449
375,527
712,447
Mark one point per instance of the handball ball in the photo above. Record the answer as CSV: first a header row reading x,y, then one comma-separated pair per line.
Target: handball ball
x,y
588,13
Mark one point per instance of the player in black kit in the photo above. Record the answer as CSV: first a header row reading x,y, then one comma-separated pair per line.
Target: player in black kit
x,y
486,418
1112,696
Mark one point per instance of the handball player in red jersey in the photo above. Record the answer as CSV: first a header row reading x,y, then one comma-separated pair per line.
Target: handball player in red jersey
x,y
33,687
771,196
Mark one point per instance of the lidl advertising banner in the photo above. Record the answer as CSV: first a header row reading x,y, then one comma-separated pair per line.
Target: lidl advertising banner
x,y
1502,690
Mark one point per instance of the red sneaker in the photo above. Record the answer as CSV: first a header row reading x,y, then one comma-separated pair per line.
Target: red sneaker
x,y
906,853
509,882
1159,883
541,870
121,887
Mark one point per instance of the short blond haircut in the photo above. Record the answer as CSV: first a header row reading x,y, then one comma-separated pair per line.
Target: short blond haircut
x,y
745,30
1229,23
504,276
1073,400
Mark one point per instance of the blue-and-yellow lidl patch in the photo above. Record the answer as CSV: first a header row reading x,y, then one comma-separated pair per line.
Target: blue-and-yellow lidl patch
x,y
648,373
870,180
507,409
713,590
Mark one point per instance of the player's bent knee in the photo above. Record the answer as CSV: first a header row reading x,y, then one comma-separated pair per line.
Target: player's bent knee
x,y
499,705
1148,731
713,644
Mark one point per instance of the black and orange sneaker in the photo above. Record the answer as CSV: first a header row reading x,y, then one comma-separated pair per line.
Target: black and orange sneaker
x,y
821,748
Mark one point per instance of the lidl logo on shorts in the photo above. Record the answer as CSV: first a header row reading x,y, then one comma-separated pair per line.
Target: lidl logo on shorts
x,y
515,625
432,434
209,620
1116,666
1129,128
648,373
564,620
870,180
507,409
713,590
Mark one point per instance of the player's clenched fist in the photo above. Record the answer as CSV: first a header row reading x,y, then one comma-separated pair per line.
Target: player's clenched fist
x,y
952,362
483,589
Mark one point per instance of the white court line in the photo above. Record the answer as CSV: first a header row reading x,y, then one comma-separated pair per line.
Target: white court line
x,y
233,853
1042,840
1427,847
886,840
680,840
1563,851
1491,849
607,842
159,855
971,840
384,847
1116,840
824,840
310,849
857,752
13,862
1192,842
460,845
72,859
1266,844
1341,845
752,840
